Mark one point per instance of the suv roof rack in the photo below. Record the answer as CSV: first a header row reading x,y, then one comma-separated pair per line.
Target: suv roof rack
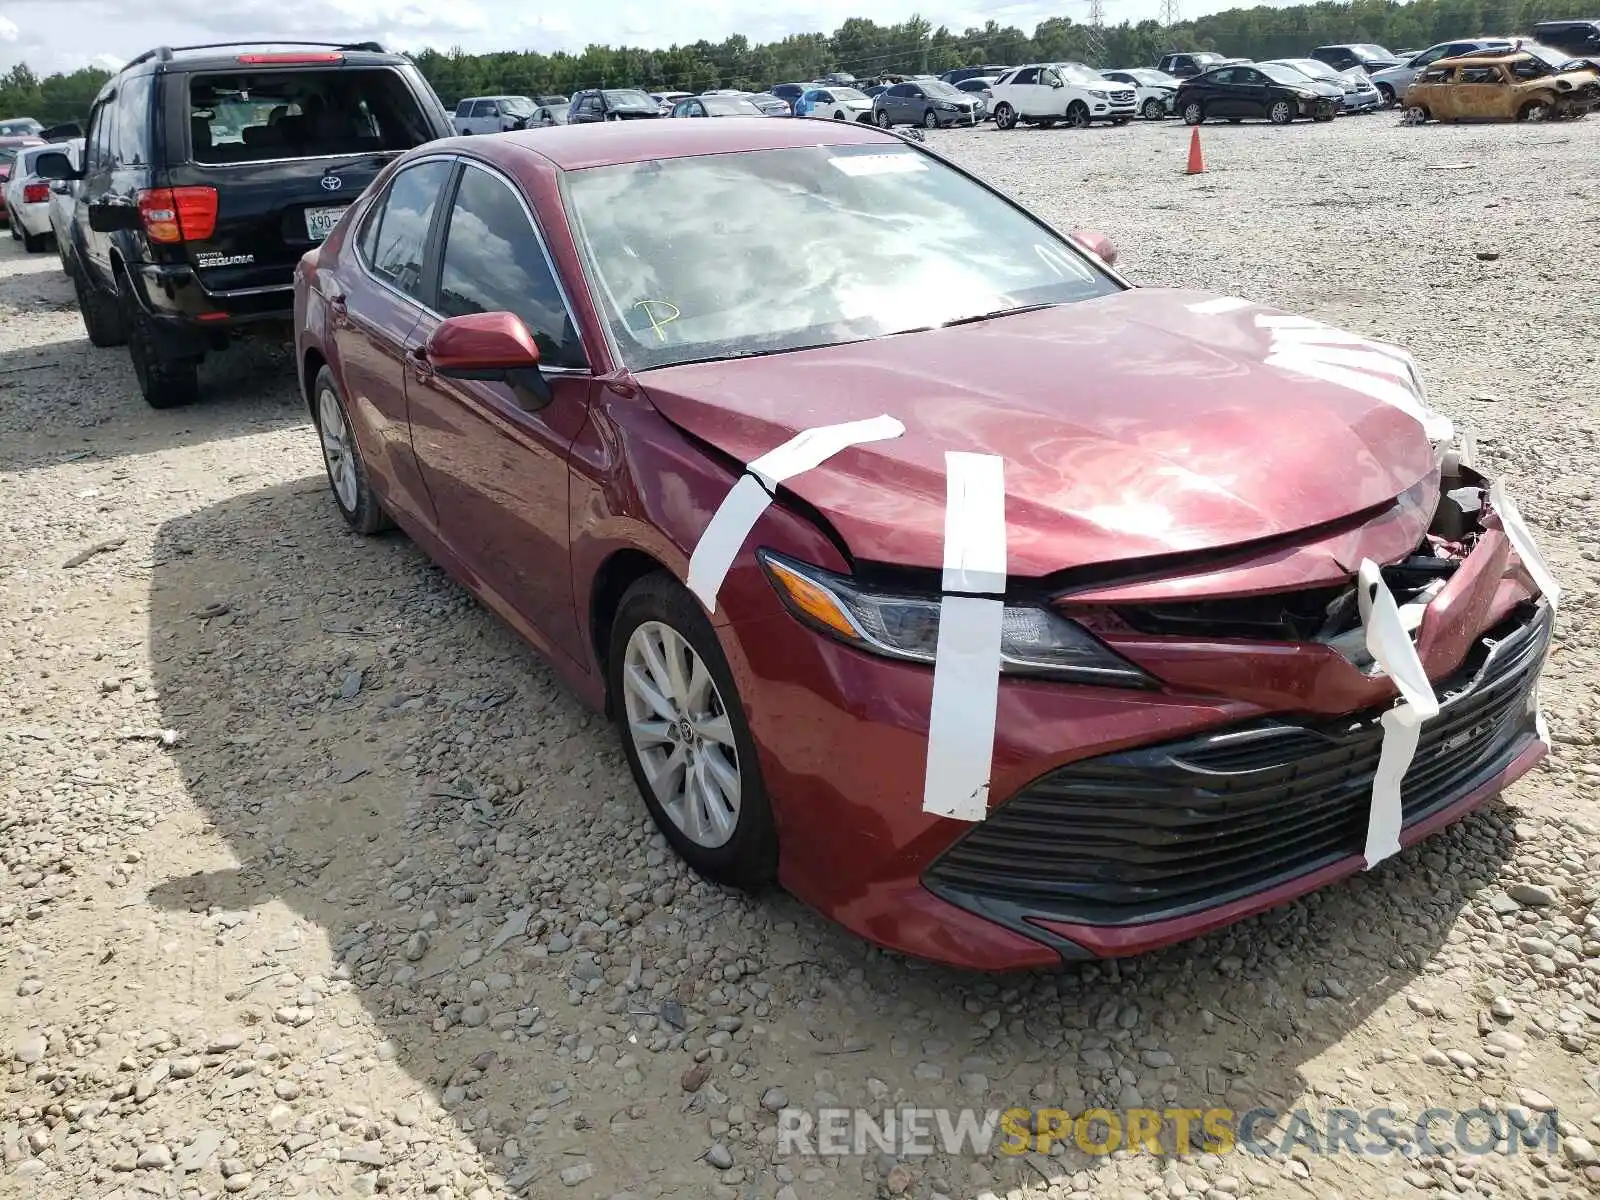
x,y
165,53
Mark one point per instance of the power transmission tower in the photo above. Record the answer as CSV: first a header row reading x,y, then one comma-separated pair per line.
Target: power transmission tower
x,y
1097,26
1169,13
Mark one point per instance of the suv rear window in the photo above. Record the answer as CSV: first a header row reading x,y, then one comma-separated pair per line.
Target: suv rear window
x,y
248,117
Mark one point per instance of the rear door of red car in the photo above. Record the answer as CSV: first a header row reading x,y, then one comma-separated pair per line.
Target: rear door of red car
x,y
495,463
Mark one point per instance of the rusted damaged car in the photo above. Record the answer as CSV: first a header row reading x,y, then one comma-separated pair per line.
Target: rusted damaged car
x,y
1521,85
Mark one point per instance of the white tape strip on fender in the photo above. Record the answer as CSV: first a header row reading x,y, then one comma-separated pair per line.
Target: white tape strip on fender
x,y
1390,645
742,507
1536,566
966,669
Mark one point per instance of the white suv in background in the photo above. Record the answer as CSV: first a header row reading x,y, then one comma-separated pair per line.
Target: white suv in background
x,y
492,114
1045,93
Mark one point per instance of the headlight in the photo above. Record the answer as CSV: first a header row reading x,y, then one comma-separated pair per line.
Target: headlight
x,y
947,105
1097,93
1033,640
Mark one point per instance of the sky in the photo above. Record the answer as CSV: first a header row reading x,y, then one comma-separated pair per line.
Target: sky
x,y
63,35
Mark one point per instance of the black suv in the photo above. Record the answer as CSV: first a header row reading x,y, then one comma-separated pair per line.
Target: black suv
x,y
208,171
1581,39
611,104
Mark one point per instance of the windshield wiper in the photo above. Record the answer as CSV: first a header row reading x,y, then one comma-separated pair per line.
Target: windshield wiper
x,y
999,312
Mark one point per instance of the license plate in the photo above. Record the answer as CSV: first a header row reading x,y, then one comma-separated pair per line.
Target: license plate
x,y
320,221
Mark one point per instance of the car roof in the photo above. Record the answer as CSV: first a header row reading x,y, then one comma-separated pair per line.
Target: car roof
x,y
225,56
606,143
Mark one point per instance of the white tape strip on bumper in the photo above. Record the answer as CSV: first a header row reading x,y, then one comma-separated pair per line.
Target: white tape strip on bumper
x,y
1390,645
742,507
1217,306
966,670
1538,569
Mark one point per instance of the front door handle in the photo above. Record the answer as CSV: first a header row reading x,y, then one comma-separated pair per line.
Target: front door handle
x,y
420,366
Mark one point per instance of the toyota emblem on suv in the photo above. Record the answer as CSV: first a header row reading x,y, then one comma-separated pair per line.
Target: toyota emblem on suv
x,y
331,183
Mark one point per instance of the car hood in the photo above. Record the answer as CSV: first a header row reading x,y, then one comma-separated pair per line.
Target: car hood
x,y
1143,423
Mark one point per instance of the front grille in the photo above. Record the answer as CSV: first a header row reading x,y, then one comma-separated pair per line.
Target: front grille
x,y
1121,97
1164,830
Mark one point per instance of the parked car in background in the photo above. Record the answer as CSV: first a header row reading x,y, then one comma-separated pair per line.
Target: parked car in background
x,y
611,104
960,75
209,171
1188,63
1392,82
715,106
668,100
14,127
492,114
1581,39
837,103
1367,56
1257,91
789,93
770,105
63,197
931,103
1359,94
1519,86
546,115
10,147
1050,93
838,79
981,86
555,100
558,409
1155,92
27,200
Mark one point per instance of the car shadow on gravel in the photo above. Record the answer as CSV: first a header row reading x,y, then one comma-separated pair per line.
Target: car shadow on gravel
x,y
382,756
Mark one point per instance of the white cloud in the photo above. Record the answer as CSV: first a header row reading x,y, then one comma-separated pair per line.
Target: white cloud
x,y
56,35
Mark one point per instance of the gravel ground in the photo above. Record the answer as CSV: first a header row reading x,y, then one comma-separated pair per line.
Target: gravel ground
x,y
383,914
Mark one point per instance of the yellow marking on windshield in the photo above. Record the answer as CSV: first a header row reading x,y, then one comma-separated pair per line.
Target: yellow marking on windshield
x,y
659,323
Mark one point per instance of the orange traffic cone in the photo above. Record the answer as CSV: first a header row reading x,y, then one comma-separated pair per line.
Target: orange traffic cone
x,y
1197,158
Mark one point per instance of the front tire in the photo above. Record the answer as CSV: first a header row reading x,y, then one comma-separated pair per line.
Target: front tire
x,y
882,119
1154,110
930,120
1386,93
1281,112
1005,117
685,736
1194,113
1078,115
341,455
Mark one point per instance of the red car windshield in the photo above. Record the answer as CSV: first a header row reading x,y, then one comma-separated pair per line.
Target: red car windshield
x,y
731,255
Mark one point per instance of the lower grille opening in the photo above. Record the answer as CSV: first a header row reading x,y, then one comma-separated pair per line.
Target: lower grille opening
x,y
1164,830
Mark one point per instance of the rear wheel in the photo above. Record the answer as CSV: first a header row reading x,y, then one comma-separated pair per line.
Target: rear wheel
x,y
1281,112
165,380
685,736
1005,117
37,243
1154,110
102,319
1416,115
1078,115
14,225
1194,113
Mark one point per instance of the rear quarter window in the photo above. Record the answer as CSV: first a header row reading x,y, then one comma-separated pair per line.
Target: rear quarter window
x,y
255,116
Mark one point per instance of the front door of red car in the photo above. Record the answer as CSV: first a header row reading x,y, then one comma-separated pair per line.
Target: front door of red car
x,y
495,463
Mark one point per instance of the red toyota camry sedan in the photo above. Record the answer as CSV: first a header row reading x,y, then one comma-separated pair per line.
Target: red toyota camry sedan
x,y
1003,611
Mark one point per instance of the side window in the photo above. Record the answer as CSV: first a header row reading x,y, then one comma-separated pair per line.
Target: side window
x,y
495,262
1436,75
1226,75
399,225
1428,56
1479,75
1027,75
1527,68
1048,77
464,109
133,123
99,146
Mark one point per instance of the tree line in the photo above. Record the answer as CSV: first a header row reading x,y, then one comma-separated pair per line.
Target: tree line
x,y
868,49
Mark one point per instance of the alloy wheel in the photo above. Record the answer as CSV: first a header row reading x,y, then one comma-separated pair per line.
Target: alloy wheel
x,y
681,733
1193,114
1281,113
338,450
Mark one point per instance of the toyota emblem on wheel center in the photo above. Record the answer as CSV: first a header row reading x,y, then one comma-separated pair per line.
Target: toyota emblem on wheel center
x,y
331,183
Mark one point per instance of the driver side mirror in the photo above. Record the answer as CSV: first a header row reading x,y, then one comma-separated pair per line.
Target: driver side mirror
x,y
1056,83
1097,244
493,347
53,164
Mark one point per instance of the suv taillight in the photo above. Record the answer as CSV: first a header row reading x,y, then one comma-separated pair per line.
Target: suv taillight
x,y
35,193
178,214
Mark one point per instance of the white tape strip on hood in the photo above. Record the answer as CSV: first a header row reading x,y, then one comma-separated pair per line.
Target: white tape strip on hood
x,y
742,507
1390,645
1216,307
966,670
1538,569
